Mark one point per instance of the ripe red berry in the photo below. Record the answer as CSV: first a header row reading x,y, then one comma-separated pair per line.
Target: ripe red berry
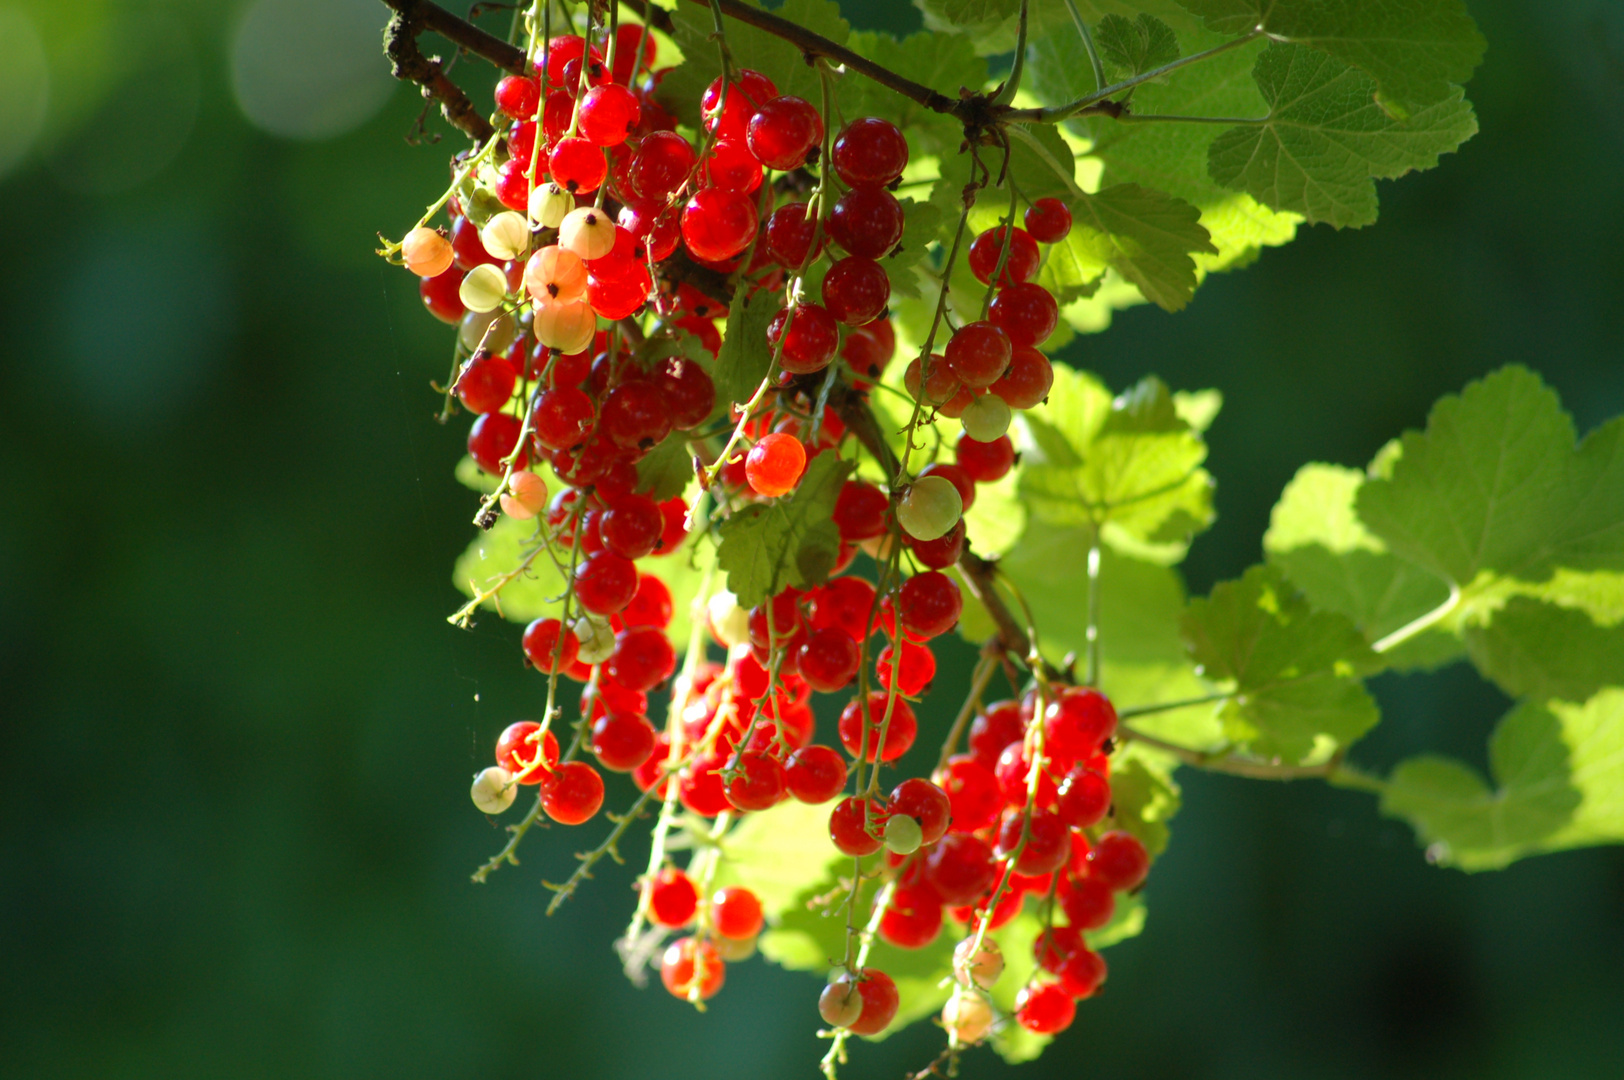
x,y
880,1001
789,235
672,898
913,918
1014,769
643,658
1044,1009
441,296
1088,902
635,415
631,526
1082,973
486,383
828,659
941,552
815,774
1076,723
651,605
736,913
955,475
998,725
899,735
860,511
689,392
925,803
848,830
1120,861
549,646
1026,312
732,167
1054,944
745,95
1084,797
718,224
930,604
977,354
1019,265
1048,220
1048,841
972,792
492,438
605,583
759,783
629,37
782,132
661,164
575,794
960,868
856,290
986,462
703,790
866,221
517,752
691,967
518,96
622,741
775,464
869,151
608,114
1027,380
576,165
562,418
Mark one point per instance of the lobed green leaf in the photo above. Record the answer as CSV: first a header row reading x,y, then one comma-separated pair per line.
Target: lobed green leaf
x,y
791,540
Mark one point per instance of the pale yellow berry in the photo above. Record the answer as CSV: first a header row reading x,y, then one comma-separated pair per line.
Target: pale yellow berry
x,y
930,508
496,330
597,639
967,1016
588,231
986,418
427,253
983,966
840,1004
494,790
483,288
729,622
555,275
548,205
903,835
525,497
565,327
735,949
507,235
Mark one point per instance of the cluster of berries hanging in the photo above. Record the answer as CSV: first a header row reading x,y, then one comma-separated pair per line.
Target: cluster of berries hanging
x,y
557,266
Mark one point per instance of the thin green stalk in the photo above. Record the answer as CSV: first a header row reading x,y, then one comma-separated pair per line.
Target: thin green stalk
x,y
1088,44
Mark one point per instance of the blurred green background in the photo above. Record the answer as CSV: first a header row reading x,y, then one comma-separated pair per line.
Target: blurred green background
x,y
236,836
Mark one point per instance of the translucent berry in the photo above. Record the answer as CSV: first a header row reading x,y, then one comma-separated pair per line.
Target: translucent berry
x,y
608,114
809,343
775,464
1048,220
672,898
869,151
1044,1009
903,727
736,912
1020,264
492,438
493,790
427,253
718,224
856,290
782,132
529,756
866,221
1026,312
848,828
815,774
692,968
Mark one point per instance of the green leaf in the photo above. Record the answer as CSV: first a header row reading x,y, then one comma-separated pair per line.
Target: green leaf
x,y
1133,48
665,472
500,550
790,541
1325,141
1132,463
1292,668
1494,497
780,854
1143,795
943,62
1414,50
745,357
1317,539
1543,651
1558,783
1146,236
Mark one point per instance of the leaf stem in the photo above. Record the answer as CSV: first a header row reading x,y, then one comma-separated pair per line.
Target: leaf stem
x,y
1056,113
1420,625
1014,81
1088,44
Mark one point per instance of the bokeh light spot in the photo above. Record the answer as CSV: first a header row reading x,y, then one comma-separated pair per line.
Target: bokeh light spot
x,y
308,69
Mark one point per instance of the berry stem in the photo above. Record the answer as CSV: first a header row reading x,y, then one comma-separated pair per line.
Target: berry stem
x,y
506,854
1088,43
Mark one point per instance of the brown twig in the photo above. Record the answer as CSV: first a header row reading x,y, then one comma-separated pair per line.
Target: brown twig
x,y
408,62
422,15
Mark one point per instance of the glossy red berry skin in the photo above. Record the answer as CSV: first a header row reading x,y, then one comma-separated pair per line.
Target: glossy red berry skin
x,y
563,417
1048,220
516,751
542,646
492,438
1084,798
731,166
608,114
576,165
828,660
930,604
860,511
486,383
1020,265
736,913
845,602
518,96
918,668
651,605
942,552
1082,973
1076,723
960,868
1087,902
1120,861
899,736
605,583
1044,1009
848,831
880,1001
643,658
856,290
775,464
1048,842
440,295
758,784
815,774
782,132
661,164
718,224
691,967
749,91
789,235
972,793
575,794
810,341
1026,382
998,725
869,151
986,462
1026,312
866,221
672,898
977,354
622,741
689,392
913,918
925,803
512,186
631,526
635,415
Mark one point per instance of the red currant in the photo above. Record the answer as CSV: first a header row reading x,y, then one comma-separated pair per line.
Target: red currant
x,y
815,774
1019,265
972,790
1077,722
1044,1009
718,224
1088,902
605,583
918,669
516,751
930,604
810,341
736,913
869,151
493,437
518,96
782,132
941,552
692,968
789,235
622,741
848,829
866,221
856,290
925,803
1026,312
732,167
977,354
1120,861
775,464
828,659
960,868
574,795
986,462
549,646
1027,380
608,114
899,735
1048,220
486,383
913,918
759,783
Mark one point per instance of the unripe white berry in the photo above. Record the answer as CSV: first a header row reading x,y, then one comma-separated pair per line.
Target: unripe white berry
x,y
565,327
588,231
494,790
841,1003
903,835
986,418
554,275
483,288
983,967
507,235
526,495
930,508
735,949
729,622
427,253
596,637
967,1016
549,203
502,330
